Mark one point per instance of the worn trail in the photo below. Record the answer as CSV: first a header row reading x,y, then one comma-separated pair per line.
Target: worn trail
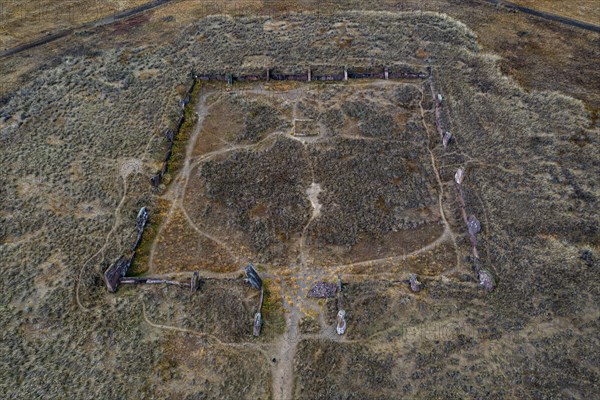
x,y
295,286
94,24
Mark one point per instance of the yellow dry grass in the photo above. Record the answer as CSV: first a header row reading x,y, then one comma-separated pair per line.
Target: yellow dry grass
x,y
22,21
582,10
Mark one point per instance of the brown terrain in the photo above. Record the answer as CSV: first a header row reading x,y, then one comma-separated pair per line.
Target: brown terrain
x,y
311,182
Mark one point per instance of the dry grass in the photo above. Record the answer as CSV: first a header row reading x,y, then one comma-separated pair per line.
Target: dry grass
x,y
532,163
22,21
221,126
585,10
181,248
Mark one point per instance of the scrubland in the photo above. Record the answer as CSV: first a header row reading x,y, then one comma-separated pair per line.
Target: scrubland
x,y
587,10
81,138
23,21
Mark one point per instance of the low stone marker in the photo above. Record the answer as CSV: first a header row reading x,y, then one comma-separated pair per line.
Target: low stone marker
x,y
459,176
473,225
341,322
486,279
323,290
258,316
446,139
415,285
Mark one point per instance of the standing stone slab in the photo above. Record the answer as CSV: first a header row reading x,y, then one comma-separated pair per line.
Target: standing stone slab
x,y
252,277
115,272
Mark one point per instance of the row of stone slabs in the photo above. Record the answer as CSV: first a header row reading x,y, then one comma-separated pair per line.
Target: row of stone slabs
x,y
116,273
335,74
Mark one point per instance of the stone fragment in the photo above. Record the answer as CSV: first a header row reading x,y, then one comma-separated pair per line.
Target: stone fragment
x,y
459,176
341,322
195,282
486,279
446,138
415,285
473,225
257,324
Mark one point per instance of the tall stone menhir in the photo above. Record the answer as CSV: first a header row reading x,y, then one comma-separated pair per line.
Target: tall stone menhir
x,y
140,224
341,315
486,278
341,322
254,280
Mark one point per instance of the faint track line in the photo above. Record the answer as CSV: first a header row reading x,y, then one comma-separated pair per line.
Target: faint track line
x,y
94,24
102,249
213,338
545,15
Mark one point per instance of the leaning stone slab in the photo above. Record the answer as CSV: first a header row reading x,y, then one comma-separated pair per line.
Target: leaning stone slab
x,y
252,277
115,272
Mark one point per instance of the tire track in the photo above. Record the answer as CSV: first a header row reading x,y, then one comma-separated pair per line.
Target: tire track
x,y
545,15
94,24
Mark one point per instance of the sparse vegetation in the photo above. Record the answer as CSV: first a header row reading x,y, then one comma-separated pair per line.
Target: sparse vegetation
x,y
82,137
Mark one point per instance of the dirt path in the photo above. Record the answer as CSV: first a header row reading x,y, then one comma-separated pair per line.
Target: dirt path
x,y
282,372
177,188
228,249
447,227
300,276
282,381
545,15
445,236
94,24
212,338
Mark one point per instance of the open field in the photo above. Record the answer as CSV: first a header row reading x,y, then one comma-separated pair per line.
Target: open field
x,y
371,196
24,21
586,10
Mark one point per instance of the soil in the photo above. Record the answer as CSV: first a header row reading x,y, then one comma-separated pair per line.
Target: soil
x,y
369,198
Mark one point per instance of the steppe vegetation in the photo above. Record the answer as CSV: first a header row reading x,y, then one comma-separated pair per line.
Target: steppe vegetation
x,y
22,21
81,140
586,10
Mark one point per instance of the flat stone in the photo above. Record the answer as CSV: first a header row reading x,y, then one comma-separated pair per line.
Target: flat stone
x,y
323,290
